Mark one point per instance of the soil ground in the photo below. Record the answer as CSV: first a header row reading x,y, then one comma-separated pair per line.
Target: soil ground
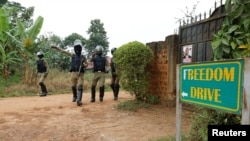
x,y
56,118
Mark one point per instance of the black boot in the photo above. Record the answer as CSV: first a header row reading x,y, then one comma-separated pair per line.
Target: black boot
x,y
43,88
116,89
101,93
79,96
92,94
74,93
113,89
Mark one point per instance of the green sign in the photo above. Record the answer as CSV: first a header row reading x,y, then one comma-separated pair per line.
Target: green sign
x,y
216,85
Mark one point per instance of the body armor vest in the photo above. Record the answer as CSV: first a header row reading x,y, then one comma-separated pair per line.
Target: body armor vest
x,y
40,66
99,63
76,61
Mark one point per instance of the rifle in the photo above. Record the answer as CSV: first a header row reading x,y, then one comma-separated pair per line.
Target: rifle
x,y
79,72
81,65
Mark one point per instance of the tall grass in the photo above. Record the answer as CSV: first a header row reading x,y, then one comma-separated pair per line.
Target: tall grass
x,y
57,82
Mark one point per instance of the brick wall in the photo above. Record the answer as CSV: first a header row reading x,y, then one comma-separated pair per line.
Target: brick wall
x,y
163,69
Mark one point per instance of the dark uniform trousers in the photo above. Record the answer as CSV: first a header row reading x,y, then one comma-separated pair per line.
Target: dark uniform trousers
x,y
115,85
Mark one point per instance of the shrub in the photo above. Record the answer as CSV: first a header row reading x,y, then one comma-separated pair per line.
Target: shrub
x,y
131,60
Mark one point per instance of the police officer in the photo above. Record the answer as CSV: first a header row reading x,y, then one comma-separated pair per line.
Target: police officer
x,y
115,78
42,71
100,65
78,63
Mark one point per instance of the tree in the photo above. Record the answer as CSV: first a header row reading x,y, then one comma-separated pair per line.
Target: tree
x,y
52,56
25,41
132,68
2,2
97,36
7,53
234,37
21,33
69,40
7,56
15,11
188,14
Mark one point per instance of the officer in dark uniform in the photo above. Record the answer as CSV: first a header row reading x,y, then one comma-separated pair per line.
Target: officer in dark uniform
x,y
42,71
115,77
78,63
100,65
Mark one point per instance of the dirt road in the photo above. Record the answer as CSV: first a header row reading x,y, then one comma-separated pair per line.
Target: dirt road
x,y
56,118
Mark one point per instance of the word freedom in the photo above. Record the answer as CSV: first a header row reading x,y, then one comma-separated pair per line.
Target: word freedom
x,y
209,74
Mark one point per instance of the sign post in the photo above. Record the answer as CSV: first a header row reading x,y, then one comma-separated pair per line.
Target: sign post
x,y
220,85
245,116
216,85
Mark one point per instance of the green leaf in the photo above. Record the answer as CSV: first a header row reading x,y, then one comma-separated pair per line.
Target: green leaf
x,y
226,49
14,39
35,29
228,4
239,42
3,54
20,29
216,35
237,2
237,54
237,11
246,24
238,33
218,53
233,45
216,43
233,28
225,41
226,22
4,25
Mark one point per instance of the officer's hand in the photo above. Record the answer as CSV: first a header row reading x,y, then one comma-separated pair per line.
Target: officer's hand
x,y
85,65
45,74
53,46
107,71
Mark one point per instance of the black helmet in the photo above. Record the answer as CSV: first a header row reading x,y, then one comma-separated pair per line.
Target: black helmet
x,y
40,54
78,47
113,50
99,50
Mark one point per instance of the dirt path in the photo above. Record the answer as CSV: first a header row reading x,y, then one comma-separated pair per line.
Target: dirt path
x,y
56,118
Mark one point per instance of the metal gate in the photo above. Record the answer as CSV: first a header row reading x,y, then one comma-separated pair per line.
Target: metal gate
x,y
195,37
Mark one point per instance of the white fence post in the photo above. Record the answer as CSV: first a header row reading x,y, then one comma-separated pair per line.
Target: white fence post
x,y
245,115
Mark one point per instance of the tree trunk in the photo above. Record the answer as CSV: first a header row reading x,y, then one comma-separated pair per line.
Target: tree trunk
x,y
26,81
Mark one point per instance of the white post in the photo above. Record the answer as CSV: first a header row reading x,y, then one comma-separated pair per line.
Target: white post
x,y
245,113
178,106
